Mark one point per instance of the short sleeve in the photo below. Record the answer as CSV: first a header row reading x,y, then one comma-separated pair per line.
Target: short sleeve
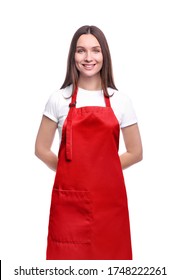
x,y
128,113
123,109
50,110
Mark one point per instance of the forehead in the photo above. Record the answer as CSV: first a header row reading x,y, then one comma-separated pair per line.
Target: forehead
x,y
87,40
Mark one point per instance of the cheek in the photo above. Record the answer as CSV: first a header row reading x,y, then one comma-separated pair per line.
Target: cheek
x,y
77,65
101,62
76,58
100,59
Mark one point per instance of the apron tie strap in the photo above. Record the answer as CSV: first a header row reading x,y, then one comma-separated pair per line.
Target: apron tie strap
x,y
72,105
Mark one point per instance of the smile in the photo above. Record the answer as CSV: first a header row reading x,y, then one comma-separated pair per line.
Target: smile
x,y
89,66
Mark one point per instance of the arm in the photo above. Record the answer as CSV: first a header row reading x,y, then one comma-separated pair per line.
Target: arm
x,y
44,142
132,141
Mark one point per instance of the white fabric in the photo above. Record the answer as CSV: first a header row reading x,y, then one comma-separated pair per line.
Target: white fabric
x,y
57,106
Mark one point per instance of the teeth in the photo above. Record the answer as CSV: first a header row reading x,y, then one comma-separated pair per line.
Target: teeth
x,y
88,66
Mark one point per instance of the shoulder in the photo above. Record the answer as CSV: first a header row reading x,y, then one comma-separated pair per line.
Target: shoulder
x,y
59,98
118,97
61,94
58,104
122,107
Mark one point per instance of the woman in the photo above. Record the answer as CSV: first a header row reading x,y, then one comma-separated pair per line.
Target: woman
x,y
89,212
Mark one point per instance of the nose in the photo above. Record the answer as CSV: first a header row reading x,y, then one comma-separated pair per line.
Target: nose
x,y
88,57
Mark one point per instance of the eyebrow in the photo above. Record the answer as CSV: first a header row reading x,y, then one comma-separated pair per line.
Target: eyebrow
x,y
92,47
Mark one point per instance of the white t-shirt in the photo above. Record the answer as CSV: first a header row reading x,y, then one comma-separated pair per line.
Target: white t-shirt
x,y
57,106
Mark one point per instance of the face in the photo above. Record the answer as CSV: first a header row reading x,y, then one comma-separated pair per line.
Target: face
x,y
88,56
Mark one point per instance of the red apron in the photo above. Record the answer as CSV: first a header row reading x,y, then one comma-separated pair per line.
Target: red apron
x,y
89,217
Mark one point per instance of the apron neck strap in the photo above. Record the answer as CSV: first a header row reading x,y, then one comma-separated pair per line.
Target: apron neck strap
x,y
73,98
107,101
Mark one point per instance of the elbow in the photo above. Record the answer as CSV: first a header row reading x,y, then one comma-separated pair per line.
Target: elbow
x,y
139,156
38,152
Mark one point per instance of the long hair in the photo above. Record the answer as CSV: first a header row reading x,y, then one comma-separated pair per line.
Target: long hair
x,y
106,73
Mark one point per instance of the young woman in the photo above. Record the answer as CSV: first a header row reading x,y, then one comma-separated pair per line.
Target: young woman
x,y
89,212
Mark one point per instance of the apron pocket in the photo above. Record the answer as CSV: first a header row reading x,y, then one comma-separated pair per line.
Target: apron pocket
x,y
70,216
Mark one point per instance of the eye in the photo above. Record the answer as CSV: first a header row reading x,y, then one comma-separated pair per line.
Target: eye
x,y
80,50
96,51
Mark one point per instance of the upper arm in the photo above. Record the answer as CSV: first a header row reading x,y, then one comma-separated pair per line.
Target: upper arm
x,y
45,134
132,139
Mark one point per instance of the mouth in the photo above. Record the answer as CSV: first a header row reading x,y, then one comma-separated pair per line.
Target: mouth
x,y
88,66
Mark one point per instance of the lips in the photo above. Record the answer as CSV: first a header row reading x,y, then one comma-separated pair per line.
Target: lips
x,y
88,66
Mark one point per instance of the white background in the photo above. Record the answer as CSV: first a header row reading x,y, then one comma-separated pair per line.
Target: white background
x,y
144,39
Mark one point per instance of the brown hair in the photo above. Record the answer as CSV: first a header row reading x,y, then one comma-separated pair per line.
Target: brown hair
x,y
106,72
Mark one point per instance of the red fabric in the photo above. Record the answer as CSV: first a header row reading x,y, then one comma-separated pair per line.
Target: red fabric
x,y
89,217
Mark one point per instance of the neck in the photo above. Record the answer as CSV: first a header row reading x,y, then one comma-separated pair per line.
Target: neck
x,y
89,83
